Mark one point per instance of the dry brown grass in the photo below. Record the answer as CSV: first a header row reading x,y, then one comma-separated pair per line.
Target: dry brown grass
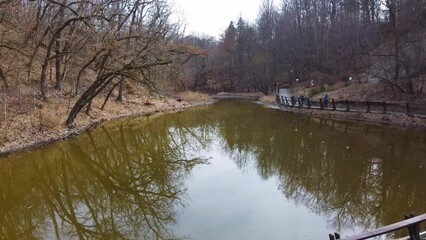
x,y
194,96
267,99
47,120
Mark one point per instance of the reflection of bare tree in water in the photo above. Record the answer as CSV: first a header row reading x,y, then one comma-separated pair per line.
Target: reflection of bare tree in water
x,y
332,167
125,181
112,184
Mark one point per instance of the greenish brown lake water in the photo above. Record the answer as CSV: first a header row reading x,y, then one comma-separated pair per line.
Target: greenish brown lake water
x,y
232,170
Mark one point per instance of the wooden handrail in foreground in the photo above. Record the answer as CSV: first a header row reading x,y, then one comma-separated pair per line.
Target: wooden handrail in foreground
x,y
408,223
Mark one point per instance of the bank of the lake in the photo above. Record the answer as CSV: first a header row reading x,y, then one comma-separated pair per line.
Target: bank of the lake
x,y
37,129
32,130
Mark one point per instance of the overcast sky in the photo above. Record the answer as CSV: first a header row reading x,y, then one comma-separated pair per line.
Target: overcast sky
x,y
212,17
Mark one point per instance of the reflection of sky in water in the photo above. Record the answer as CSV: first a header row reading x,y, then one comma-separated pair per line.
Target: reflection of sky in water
x,y
229,203
273,175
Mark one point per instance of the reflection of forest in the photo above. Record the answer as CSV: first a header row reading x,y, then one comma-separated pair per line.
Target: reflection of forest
x,y
120,182
356,175
125,180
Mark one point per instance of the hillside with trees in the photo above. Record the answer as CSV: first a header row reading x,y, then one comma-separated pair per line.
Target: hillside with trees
x,y
85,48
104,48
109,58
328,41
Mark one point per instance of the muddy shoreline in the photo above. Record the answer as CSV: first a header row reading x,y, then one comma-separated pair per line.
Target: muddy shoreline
x,y
403,121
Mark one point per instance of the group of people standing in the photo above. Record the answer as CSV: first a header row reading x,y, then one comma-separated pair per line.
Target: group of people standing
x,y
301,100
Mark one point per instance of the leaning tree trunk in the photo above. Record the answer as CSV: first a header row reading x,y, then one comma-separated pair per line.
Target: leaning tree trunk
x,y
88,96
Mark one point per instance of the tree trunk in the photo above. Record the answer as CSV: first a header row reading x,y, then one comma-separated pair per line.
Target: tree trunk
x,y
120,91
373,11
43,73
3,77
393,18
58,52
58,62
88,95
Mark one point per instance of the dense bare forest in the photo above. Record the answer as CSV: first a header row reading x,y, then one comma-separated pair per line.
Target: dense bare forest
x,y
84,48
106,48
326,41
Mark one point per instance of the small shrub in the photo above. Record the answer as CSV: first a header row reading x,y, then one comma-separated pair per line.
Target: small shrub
x,y
314,91
268,99
48,120
194,96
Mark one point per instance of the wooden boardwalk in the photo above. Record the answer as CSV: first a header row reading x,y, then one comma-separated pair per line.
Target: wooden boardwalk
x,y
396,108
411,223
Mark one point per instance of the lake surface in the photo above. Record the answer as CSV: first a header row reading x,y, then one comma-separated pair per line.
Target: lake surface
x,y
232,170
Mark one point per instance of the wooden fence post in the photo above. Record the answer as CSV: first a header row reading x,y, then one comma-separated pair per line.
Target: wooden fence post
x,y
407,109
337,235
334,104
334,237
321,104
414,229
368,106
348,109
384,107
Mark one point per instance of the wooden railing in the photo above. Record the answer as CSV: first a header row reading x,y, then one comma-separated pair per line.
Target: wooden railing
x,y
412,223
411,109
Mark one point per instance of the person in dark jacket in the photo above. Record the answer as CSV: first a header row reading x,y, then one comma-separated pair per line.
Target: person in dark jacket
x,y
302,100
326,100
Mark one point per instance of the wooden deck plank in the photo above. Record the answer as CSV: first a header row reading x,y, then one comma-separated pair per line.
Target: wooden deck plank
x,y
388,228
